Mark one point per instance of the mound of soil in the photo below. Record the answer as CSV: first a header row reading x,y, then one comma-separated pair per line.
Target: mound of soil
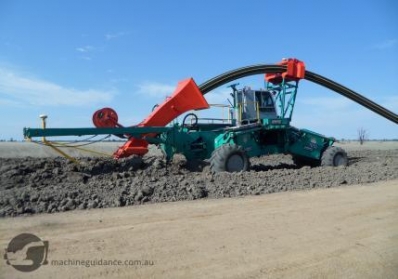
x,y
47,185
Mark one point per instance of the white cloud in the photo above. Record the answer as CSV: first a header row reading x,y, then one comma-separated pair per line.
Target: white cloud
x,y
326,103
85,52
155,89
118,80
16,88
341,117
390,103
219,96
9,103
386,44
85,49
111,36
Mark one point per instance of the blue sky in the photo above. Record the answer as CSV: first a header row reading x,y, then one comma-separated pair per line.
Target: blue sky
x,y
70,58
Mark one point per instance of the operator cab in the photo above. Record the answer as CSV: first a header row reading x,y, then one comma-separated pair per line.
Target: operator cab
x,y
247,107
253,105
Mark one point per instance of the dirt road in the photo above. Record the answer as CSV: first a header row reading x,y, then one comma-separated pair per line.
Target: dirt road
x,y
345,232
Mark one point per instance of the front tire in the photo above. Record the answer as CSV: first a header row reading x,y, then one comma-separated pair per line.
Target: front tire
x,y
334,156
230,158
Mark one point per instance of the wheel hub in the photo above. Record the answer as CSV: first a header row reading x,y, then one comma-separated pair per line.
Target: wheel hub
x,y
338,160
235,163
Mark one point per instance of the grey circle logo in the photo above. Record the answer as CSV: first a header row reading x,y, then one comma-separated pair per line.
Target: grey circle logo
x,y
26,252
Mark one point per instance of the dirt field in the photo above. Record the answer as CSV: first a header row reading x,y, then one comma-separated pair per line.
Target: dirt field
x,y
236,225
48,185
346,232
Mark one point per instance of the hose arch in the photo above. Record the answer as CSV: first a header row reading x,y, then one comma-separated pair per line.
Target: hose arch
x,y
229,76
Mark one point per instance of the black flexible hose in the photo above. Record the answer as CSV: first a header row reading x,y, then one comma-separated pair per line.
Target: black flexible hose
x,y
356,97
310,76
239,73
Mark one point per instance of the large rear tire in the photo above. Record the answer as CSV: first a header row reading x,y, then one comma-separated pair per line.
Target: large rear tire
x,y
334,156
230,158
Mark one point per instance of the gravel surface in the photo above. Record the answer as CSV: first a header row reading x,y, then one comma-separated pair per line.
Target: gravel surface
x,y
46,185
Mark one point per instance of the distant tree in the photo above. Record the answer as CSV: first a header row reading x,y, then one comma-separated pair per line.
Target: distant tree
x,y
362,135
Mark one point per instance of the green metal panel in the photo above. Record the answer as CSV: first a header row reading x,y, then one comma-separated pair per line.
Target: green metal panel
x,y
256,141
309,144
192,144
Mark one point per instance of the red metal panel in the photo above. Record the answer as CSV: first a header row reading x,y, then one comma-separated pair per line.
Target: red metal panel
x,y
295,70
186,97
